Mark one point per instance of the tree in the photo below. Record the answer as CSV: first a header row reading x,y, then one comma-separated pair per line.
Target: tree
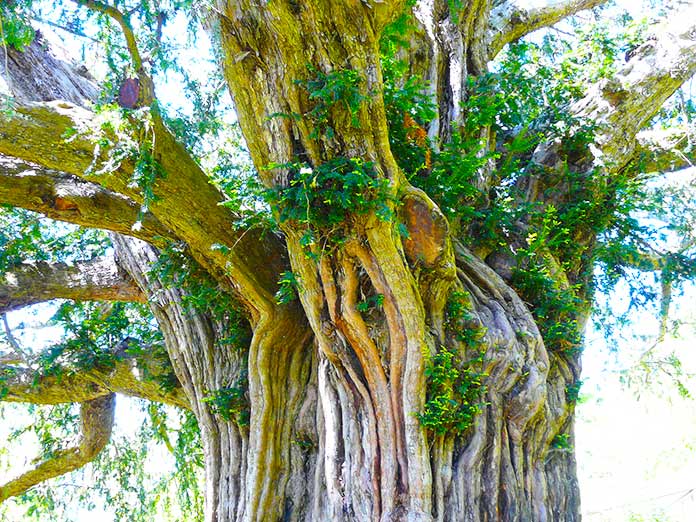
x,y
400,338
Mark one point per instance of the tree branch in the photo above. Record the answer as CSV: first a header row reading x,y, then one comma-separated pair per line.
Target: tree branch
x,y
511,21
620,107
19,356
28,72
96,423
123,20
65,197
94,280
623,105
144,373
185,202
665,150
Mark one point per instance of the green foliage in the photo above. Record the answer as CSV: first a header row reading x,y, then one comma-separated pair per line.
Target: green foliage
x,y
288,288
323,199
15,23
573,391
6,373
231,403
176,269
134,485
327,195
640,249
408,107
139,492
304,442
92,333
562,441
29,237
370,303
127,136
455,388
555,307
454,396
230,168
339,89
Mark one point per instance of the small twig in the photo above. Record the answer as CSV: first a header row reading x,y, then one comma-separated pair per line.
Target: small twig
x,y
67,29
121,19
563,32
685,492
665,302
7,56
13,341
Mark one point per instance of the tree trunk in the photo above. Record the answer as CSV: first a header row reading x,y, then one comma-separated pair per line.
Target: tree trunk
x,y
312,450
410,382
334,424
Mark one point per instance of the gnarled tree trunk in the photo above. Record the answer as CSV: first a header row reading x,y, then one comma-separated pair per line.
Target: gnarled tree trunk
x,y
336,385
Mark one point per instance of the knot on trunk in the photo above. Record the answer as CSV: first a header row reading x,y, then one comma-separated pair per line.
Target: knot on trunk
x,y
427,231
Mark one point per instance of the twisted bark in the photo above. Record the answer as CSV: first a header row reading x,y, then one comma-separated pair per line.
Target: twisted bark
x,y
329,391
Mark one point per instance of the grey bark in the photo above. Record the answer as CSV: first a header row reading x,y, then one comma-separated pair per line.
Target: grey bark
x,y
95,280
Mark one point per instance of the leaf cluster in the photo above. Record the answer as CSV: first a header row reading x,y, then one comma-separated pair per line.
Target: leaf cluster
x,y
338,89
231,403
455,387
15,23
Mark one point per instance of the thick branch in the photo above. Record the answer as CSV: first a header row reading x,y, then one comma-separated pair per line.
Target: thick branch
x,y
185,201
68,198
28,72
95,280
511,21
146,374
623,105
96,422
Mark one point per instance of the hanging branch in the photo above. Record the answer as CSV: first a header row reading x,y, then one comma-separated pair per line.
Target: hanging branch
x,y
96,420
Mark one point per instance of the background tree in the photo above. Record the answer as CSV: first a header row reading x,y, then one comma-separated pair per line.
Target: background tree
x,y
382,319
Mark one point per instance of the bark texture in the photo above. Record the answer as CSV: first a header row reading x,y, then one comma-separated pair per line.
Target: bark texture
x,y
328,389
